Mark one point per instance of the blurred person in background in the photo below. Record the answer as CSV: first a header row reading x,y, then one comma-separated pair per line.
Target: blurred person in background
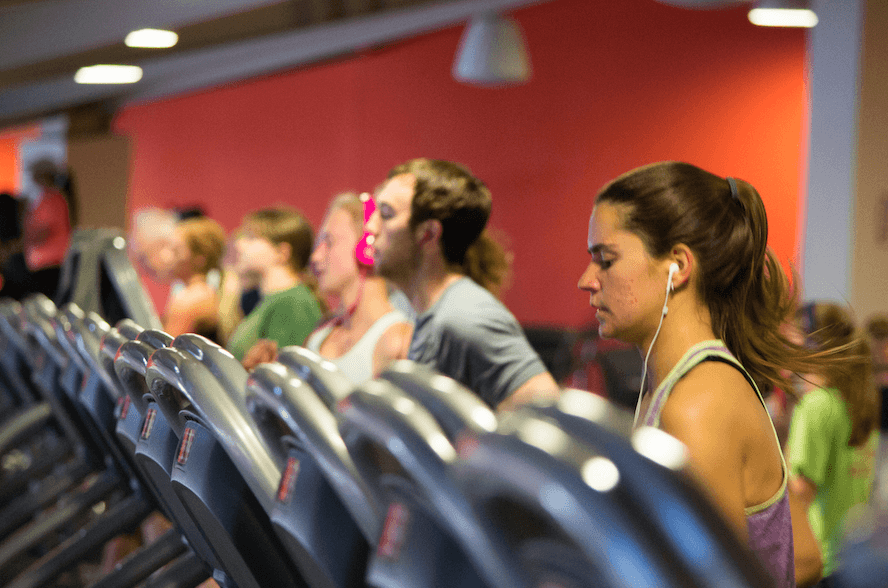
x,y
48,221
151,242
273,246
364,332
834,435
877,330
238,292
14,275
197,245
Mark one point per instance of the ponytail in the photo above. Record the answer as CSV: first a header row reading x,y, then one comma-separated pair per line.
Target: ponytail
x,y
830,327
488,263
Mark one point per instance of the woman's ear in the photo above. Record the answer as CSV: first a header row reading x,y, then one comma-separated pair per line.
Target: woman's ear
x,y
682,256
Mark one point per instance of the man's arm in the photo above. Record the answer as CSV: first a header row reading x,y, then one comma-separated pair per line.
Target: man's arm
x,y
540,386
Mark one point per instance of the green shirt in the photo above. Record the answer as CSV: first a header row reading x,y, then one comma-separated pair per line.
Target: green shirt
x,y
818,450
287,317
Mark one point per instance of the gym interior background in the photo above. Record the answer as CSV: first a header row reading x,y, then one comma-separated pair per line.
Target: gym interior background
x,y
615,85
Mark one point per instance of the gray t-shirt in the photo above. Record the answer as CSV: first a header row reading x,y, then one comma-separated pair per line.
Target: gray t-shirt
x,y
471,337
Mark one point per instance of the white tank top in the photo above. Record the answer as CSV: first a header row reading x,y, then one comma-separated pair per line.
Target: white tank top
x,y
357,362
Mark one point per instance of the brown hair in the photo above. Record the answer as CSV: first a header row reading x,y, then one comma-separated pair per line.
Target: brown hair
x,y
748,294
205,238
350,203
830,326
283,224
877,327
449,193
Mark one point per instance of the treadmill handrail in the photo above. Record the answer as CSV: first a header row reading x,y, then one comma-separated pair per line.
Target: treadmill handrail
x,y
456,408
132,293
328,382
496,464
37,324
155,338
11,314
63,322
379,411
89,333
130,365
91,251
111,342
17,348
676,505
273,387
218,409
593,408
129,328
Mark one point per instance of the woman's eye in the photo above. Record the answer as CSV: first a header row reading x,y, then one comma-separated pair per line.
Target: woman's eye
x,y
605,263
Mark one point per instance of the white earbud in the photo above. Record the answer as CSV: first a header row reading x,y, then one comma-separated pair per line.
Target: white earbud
x,y
673,269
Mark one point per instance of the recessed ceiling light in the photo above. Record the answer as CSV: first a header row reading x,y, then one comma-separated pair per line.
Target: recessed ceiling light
x,y
783,17
151,38
108,74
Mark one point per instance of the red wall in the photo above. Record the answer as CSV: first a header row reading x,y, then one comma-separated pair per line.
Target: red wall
x,y
10,139
616,85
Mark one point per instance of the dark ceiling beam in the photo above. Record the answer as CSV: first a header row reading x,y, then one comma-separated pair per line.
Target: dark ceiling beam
x,y
277,18
38,31
171,73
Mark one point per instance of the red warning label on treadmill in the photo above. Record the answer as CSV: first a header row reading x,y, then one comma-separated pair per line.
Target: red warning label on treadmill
x,y
122,408
288,480
150,415
394,531
185,446
344,405
466,444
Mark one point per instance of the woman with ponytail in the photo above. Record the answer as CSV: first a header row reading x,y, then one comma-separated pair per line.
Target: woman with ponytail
x,y
834,432
680,267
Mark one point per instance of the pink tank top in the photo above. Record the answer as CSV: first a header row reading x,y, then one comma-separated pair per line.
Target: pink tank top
x,y
769,523
47,232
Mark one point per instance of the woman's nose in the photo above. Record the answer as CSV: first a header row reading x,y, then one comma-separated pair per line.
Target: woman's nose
x,y
588,281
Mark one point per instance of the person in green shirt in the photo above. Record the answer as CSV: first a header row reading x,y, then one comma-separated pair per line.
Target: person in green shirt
x,y
834,434
274,246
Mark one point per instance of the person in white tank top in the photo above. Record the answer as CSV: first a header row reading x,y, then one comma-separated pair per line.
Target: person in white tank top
x,y
364,332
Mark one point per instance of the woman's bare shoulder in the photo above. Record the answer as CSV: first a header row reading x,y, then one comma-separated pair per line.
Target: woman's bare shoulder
x,y
713,395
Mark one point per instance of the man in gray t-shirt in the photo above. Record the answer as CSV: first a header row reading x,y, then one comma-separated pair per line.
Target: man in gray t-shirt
x,y
428,240
468,334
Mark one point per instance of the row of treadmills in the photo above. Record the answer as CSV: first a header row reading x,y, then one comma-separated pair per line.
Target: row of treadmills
x,y
291,476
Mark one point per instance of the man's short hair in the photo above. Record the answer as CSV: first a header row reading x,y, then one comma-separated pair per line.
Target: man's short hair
x,y
449,193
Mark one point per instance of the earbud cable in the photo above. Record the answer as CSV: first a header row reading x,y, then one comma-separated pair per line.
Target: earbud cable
x,y
648,355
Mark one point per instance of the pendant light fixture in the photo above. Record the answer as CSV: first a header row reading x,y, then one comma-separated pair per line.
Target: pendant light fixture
x,y
492,52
